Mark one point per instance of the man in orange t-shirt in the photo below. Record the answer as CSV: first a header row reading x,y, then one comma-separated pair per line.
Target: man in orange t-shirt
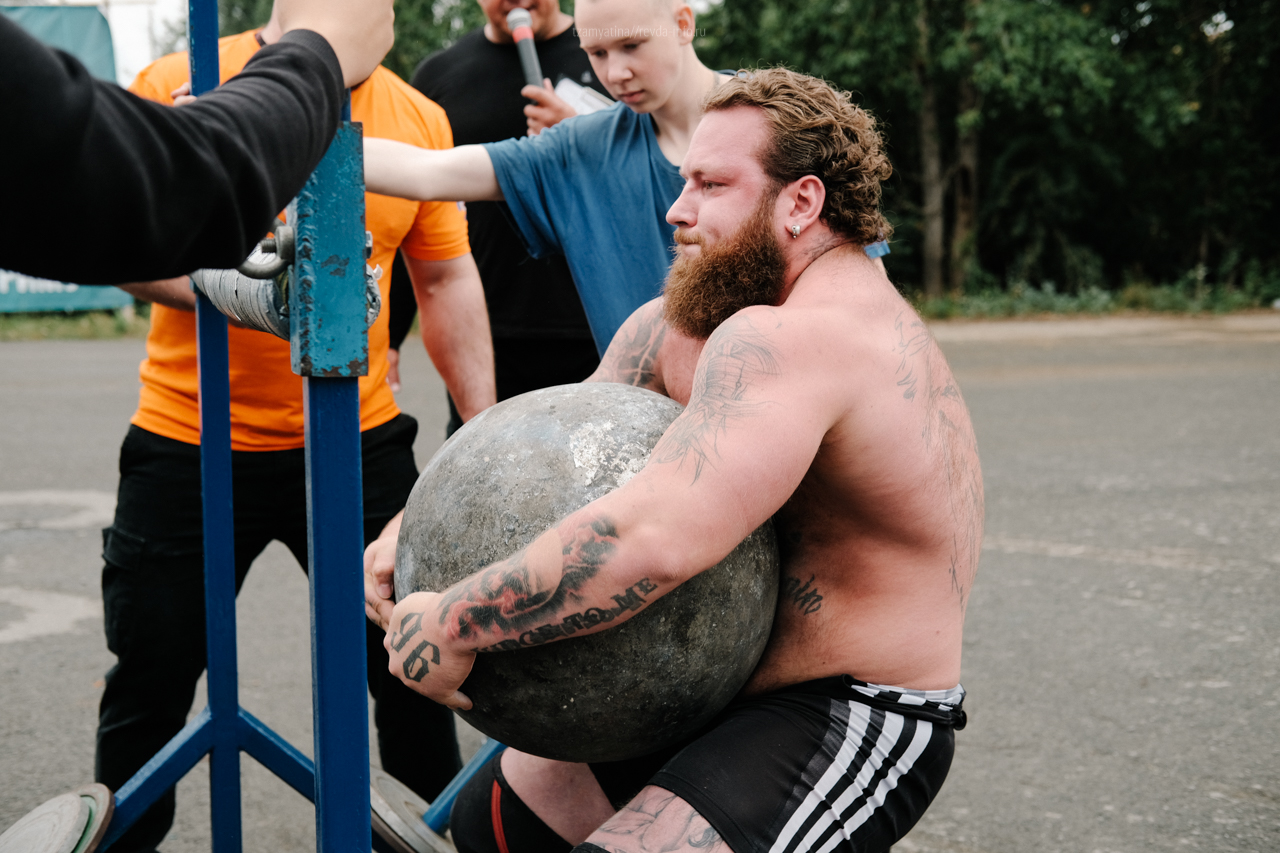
x,y
153,575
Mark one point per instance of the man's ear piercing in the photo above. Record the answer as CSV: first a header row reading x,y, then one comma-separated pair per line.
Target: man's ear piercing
x,y
795,231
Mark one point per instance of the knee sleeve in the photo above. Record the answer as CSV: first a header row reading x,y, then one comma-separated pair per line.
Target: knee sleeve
x,y
488,817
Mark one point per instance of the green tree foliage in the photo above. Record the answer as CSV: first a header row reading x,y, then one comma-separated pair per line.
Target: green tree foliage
x,y
1108,142
422,26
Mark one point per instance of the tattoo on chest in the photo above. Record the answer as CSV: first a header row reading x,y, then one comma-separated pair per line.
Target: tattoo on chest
x,y
633,361
631,599
730,363
804,596
507,596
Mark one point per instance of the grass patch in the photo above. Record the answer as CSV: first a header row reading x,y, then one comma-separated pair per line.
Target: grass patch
x,y
78,325
1023,301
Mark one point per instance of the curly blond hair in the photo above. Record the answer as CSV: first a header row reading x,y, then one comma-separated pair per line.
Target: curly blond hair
x,y
817,130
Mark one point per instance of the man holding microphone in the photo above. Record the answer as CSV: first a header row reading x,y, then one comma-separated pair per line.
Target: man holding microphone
x,y
540,332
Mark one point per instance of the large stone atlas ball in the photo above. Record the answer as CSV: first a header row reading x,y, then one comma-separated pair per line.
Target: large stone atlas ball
x,y
513,472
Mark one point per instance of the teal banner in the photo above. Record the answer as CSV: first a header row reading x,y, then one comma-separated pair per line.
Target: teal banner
x,y
20,293
81,31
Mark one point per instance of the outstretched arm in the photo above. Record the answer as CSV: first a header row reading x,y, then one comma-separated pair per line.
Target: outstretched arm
x,y
718,472
395,168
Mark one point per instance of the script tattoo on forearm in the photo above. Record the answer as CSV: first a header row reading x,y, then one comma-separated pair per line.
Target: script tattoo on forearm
x,y
657,821
736,355
632,599
507,598
804,596
425,653
633,360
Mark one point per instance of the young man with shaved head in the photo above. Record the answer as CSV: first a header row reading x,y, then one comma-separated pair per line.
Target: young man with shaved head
x,y
814,396
593,188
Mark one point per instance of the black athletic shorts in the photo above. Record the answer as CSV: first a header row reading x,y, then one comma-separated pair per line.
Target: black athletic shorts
x,y
832,764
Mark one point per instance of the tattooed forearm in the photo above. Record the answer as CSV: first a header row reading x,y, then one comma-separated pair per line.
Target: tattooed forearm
x,y
425,653
632,357
804,596
733,358
629,601
508,596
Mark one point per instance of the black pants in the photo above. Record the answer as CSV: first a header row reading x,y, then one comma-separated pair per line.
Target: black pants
x,y
527,364
153,595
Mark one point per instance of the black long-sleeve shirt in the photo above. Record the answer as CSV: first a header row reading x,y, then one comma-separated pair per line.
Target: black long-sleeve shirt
x,y
99,186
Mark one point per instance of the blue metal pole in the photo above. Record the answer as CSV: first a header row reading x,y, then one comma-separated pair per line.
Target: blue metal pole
x,y
219,519
335,541
437,814
329,348
219,576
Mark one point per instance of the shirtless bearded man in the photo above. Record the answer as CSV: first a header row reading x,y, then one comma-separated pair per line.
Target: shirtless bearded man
x,y
815,395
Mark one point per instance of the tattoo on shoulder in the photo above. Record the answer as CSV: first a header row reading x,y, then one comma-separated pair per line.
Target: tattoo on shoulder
x,y
913,339
633,357
732,360
507,597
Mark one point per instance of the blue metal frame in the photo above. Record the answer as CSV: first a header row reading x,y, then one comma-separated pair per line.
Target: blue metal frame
x,y
329,348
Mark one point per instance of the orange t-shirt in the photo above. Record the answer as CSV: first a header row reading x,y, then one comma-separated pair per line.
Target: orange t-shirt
x,y
266,396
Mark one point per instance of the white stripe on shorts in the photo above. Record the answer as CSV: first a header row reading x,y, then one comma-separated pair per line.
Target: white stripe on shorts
x,y
830,823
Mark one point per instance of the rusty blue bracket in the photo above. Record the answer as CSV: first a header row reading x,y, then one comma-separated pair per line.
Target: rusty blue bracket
x,y
326,284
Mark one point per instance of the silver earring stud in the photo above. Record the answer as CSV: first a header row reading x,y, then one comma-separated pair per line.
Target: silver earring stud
x,y
795,231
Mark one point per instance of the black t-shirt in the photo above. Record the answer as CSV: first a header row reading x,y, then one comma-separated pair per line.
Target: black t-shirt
x,y
478,84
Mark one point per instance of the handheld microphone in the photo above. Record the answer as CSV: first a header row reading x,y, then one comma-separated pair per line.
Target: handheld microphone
x,y
520,22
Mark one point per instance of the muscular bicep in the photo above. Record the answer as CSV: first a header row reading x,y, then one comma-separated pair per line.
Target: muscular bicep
x,y
752,428
633,355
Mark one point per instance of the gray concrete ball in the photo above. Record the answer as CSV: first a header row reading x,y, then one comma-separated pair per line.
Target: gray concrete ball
x,y
511,473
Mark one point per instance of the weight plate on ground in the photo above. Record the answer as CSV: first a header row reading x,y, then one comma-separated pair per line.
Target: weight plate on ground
x,y
400,811
55,826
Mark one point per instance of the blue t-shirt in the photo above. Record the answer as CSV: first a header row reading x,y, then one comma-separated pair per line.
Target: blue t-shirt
x,y
597,188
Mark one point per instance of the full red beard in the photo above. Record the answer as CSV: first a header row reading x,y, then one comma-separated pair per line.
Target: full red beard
x,y
748,268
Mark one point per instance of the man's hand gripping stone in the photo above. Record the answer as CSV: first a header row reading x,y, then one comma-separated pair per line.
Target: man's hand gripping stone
x,y
416,641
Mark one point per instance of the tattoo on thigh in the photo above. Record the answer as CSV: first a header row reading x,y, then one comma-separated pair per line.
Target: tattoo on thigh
x,y
657,821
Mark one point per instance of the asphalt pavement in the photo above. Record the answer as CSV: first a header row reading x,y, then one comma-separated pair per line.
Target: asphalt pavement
x,y
1122,644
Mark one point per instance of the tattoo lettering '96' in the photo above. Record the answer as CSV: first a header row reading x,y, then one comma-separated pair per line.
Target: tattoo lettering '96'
x,y
419,661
